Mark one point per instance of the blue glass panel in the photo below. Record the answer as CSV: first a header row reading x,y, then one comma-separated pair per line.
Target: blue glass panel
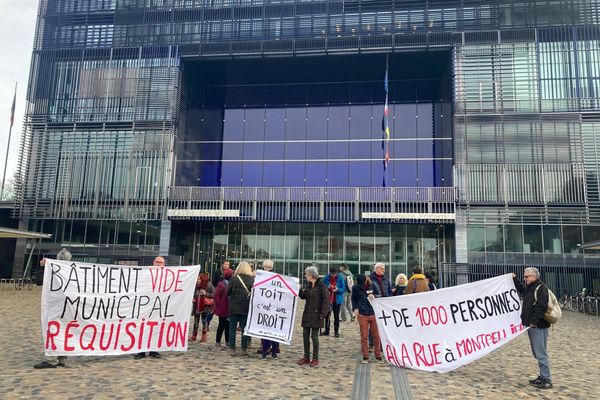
x,y
317,95
338,127
293,174
233,128
425,120
377,174
210,174
232,173
254,125
210,125
295,151
295,127
339,93
188,173
405,173
317,123
360,93
425,173
235,97
255,96
360,150
405,149
252,173
274,151
316,151
296,95
275,124
359,173
425,149
337,150
360,122
315,173
233,151
337,173
253,151
273,173
405,123
276,96
402,90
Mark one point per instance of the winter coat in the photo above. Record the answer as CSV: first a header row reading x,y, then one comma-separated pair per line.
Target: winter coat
x,y
416,284
221,299
360,296
239,297
199,306
385,282
399,290
533,314
340,288
317,304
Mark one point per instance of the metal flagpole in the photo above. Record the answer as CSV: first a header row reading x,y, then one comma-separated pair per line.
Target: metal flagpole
x,y
12,119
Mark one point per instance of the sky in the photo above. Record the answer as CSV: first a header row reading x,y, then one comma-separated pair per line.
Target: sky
x,y
17,26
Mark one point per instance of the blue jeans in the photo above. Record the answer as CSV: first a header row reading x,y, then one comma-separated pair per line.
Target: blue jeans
x,y
233,323
538,338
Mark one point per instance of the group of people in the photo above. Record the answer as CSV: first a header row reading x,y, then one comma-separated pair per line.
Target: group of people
x,y
227,296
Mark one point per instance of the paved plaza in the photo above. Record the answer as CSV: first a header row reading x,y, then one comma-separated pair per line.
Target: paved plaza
x,y
202,373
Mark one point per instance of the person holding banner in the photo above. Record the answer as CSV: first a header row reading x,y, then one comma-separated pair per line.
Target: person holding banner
x,y
222,309
204,303
63,255
417,282
535,303
400,287
362,292
316,309
239,302
266,344
337,287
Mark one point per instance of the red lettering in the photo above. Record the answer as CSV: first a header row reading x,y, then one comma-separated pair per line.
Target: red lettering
x,y
90,345
154,276
52,331
405,356
151,324
179,281
128,332
170,334
102,331
181,335
390,355
168,279
68,335
160,333
428,355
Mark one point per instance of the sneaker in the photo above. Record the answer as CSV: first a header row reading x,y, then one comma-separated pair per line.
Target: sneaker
x,y
218,346
365,360
353,319
314,363
379,358
139,356
303,361
154,354
263,357
326,333
536,381
274,355
44,364
544,385
337,334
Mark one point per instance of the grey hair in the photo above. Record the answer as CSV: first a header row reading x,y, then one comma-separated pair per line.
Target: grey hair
x,y
313,271
379,265
63,255
532,271
267,264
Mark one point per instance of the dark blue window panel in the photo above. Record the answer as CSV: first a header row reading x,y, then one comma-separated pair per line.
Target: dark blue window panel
x,y
337,150
360,93
273,173
442,148
339,123
442,173
425,149
233,151
316,127
377,174
316,173
337,173
425,173
316,151
295,127
424,120
429,90
359,150
377,152
293,174
255,96
235,97
253,151
402,91
275,124
274,151
295,151
210,174
405,149
339,93
207,126
405,123
188,173
233,128
360,122
317,95
254,126
405,173
359,173
252,173
296,95
232,173
276,96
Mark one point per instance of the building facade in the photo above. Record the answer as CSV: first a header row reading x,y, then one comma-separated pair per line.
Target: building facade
x,y
247,129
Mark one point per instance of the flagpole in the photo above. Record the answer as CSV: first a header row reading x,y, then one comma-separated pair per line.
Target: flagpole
x,y
12,119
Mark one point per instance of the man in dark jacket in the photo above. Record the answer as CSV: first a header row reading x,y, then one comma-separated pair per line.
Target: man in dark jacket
x,y
218,274
535,303
379,278
336,284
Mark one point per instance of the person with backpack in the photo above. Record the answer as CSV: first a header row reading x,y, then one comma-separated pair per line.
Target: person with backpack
x,y
347,305
535,303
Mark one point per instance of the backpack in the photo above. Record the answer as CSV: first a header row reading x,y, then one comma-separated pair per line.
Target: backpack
x,y
553,312
349,282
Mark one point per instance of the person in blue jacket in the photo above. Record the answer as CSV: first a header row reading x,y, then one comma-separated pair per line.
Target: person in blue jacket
x,y
336,283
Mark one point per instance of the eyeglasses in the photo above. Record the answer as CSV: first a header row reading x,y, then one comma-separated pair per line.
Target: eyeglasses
x,y
527,276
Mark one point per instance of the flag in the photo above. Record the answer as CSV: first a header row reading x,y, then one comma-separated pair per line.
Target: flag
x,y
12,109
385,127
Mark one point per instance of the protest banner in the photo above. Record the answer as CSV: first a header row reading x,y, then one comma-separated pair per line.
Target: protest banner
x,y
96,309
444,329
273,305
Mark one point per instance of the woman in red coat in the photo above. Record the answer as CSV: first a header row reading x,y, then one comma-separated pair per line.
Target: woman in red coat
x,y
222,309
204,303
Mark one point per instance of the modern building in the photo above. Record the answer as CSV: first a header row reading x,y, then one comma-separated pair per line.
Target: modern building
x,y
246,129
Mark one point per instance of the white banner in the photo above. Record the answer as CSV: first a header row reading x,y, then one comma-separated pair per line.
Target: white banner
x,y
273,305
96,309
444,329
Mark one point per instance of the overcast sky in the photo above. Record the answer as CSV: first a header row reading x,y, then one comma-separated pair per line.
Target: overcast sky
x,y
17,25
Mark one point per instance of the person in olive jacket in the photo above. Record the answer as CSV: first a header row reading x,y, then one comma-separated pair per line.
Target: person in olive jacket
x,y
535,303
316,309
238,292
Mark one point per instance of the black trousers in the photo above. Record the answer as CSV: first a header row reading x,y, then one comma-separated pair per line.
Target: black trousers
x,y
223,328
336,318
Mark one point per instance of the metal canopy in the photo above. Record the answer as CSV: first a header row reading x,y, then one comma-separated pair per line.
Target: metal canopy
x,y
8,233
